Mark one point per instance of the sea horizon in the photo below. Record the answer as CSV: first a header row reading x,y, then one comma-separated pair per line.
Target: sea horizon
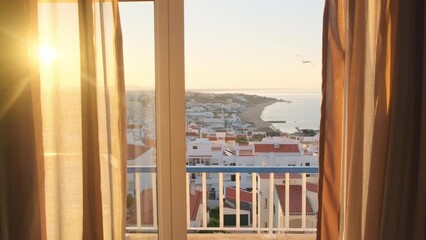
x,y
212,90
251,89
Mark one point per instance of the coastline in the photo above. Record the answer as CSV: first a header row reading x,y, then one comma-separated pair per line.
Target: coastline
x,y
254,114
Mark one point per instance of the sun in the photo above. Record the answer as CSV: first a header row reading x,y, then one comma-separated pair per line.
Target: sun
x,y
47,54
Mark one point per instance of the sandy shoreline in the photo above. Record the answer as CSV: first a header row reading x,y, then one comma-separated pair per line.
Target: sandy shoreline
x,y
253,114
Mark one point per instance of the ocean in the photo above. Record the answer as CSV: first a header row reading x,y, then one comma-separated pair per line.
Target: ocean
x,y
303,111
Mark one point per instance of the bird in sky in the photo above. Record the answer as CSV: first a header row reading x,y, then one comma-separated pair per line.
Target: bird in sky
x,y
303,59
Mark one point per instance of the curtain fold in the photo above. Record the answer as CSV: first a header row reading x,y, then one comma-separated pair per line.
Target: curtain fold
x,y
21,155
331,142
372,179
92,209
62,121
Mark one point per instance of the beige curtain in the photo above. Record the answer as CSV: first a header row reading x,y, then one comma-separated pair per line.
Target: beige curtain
x,y
62,120
373,126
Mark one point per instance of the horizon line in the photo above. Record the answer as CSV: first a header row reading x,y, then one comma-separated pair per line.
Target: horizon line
x,y
227,89
250,89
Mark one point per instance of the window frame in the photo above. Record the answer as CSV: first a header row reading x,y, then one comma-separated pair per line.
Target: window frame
x,y
170,109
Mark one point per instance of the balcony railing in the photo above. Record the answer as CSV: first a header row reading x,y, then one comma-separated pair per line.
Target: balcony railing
x,y
261,188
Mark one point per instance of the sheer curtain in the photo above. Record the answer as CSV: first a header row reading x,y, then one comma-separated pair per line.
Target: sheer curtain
x,y
62,120
373,127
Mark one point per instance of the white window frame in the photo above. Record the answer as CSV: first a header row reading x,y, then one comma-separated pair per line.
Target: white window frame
x,y
170,110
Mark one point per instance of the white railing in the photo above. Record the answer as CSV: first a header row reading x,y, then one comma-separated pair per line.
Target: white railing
x,y
277,222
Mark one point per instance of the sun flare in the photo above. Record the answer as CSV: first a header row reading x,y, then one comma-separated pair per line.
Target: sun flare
x,y
47,54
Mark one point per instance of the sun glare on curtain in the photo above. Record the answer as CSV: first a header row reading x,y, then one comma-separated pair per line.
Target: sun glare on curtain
x,y
61,111
63,71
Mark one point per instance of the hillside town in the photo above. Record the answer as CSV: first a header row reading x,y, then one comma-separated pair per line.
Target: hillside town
x,y
219,135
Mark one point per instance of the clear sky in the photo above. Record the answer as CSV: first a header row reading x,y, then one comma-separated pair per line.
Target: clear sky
x,y
239,44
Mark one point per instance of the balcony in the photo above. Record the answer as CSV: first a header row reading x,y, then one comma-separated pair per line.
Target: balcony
x,y
241,202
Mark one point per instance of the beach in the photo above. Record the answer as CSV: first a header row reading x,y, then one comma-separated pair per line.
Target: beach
x,y
253,114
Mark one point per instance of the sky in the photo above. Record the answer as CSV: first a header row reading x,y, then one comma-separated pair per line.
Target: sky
x,y
233,44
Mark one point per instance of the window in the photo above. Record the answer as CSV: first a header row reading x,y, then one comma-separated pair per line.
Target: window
x,y
170,89
212,195
233,178
308,165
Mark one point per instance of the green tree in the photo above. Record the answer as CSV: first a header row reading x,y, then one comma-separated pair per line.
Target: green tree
x,y
130,200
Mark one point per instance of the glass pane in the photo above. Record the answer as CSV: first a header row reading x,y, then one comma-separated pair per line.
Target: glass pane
x,y
137,21
253,93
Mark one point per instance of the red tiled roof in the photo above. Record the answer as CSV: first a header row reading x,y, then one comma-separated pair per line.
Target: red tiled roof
x,y
244,195
195,201
216,149
280,176
146,209
295,199
230,138
246,153
289,148
312,187
199,156
134,151
192,134
150,142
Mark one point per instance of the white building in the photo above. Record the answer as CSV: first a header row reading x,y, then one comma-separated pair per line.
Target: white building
x,y
282,152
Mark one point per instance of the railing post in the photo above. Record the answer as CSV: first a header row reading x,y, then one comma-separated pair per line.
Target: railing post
x,y
188,202
271,203
271,206
258,207
280,217
287,201
237,199
138,200
154,200
221,200
204,192
253,200
304,201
